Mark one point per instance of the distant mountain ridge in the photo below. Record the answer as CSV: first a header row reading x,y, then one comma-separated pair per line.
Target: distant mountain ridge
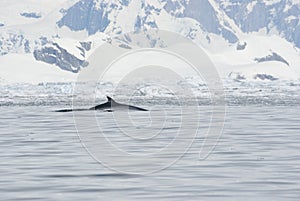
x,y
222,27
281,17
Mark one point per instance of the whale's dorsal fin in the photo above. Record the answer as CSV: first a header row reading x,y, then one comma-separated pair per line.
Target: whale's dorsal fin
x,y
109,99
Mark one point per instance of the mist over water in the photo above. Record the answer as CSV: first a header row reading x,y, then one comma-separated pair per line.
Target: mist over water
x,y
237,93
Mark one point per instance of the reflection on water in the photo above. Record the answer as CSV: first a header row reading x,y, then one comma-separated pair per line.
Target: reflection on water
x,y
257,158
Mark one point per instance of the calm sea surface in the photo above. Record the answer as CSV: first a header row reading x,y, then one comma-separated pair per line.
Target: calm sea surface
x,y
256,158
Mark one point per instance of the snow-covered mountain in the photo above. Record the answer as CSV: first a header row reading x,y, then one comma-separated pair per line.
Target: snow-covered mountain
x,y
279,17
256,40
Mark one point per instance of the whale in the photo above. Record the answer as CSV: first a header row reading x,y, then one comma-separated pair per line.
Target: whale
x,y
110,106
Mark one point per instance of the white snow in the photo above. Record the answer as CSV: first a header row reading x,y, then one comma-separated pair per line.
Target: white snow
x,y
250,6
231,60
290,18
270,2
10,10
295,1
24,68
155,3
126,17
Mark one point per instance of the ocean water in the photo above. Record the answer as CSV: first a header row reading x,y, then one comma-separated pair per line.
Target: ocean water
x,y
257,157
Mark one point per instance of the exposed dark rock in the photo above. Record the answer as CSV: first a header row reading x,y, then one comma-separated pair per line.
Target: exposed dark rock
x,y
85,15
31,15
265,77
86,45
241,46
273,57
54,54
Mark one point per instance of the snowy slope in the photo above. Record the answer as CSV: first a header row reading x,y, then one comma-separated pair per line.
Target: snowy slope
x,y
24,68
11,10
244,63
